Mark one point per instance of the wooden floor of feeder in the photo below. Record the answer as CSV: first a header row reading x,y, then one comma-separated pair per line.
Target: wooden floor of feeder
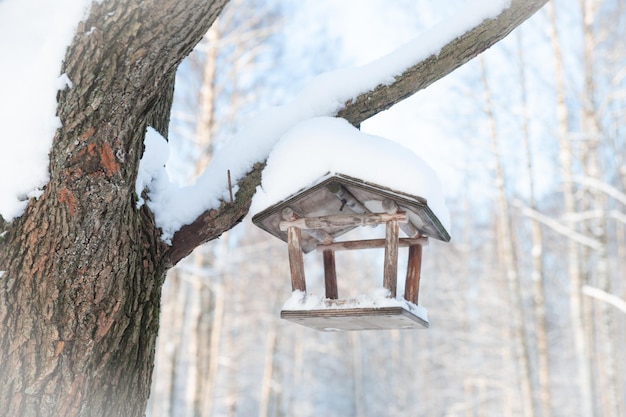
x,y
369,318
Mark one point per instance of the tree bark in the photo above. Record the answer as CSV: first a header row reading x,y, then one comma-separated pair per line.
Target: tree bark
x,y
79,299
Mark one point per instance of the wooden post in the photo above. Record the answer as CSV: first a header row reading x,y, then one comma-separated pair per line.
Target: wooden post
x,y
296,260
330,275
390,276
413,274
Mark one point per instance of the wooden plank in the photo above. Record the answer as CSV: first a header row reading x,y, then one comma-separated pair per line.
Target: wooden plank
x,y
390,274
372,244
296,260
384,318
330,275
413,274
343,220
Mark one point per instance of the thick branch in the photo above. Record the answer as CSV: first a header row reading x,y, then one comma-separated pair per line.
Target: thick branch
x,y
212,224
435,67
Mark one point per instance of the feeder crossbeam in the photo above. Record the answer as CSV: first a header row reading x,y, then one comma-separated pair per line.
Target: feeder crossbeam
x,y
318,234
372,244
343,220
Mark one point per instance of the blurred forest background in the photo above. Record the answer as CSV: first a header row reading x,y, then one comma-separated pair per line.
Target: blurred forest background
x,y
526,303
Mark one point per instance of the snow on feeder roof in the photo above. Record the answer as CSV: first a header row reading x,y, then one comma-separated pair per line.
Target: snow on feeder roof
x,y
325,178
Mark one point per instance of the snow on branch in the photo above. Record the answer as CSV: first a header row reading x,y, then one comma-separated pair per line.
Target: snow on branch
x,y
192,216
602,295
558,226
608,189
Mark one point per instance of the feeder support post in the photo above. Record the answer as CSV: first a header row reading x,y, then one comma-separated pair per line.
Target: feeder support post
x,y
390,276
294,248
413,274
296,260
330,274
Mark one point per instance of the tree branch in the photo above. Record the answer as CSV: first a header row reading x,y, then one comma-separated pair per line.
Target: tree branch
x,y
558,227
435,67
211,224
602,295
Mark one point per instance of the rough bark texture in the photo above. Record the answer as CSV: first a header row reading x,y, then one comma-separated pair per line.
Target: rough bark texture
x,y
83,267
79,300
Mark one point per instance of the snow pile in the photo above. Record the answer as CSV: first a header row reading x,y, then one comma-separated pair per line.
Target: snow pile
x,y
174,207
41,31
324,145
152,164
35,36
378,298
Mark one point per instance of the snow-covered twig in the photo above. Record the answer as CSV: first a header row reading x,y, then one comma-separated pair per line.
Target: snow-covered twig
x,y
602,186
602,295
557,226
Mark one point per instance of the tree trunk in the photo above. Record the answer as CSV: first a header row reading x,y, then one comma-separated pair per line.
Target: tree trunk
x,y
606,386
79,301
539,304
573,258
508,261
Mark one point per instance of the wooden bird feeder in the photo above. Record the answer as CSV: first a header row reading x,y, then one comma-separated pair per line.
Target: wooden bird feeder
x,y
314,217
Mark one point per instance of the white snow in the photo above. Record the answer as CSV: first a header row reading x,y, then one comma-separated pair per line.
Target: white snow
x,y
43,30
174,206
378,298
35,35
152,162
324,145
2,273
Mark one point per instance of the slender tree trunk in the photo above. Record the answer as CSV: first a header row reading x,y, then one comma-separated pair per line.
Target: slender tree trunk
x,y
541,337
569,200
509,262
607,389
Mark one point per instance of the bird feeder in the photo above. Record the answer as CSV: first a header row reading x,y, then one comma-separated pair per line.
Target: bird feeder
x,y
313,218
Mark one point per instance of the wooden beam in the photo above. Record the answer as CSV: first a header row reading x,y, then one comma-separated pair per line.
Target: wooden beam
x,y
318,234
413,274
392,207
347,198
330,275
372,244
390,275
296,260
343,220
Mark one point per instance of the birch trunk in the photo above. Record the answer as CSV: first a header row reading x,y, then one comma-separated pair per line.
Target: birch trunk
x,y
573,253
539,304
606,388
508,261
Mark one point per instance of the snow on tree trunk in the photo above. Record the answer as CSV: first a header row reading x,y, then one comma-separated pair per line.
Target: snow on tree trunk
x,y
79,301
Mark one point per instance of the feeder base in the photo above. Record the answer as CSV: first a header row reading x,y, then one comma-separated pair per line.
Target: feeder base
x,y
383,318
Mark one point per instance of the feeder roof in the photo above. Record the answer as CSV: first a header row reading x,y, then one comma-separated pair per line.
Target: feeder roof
x,y
331,195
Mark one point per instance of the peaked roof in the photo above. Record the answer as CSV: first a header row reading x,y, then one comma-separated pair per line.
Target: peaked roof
x,y
335,194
